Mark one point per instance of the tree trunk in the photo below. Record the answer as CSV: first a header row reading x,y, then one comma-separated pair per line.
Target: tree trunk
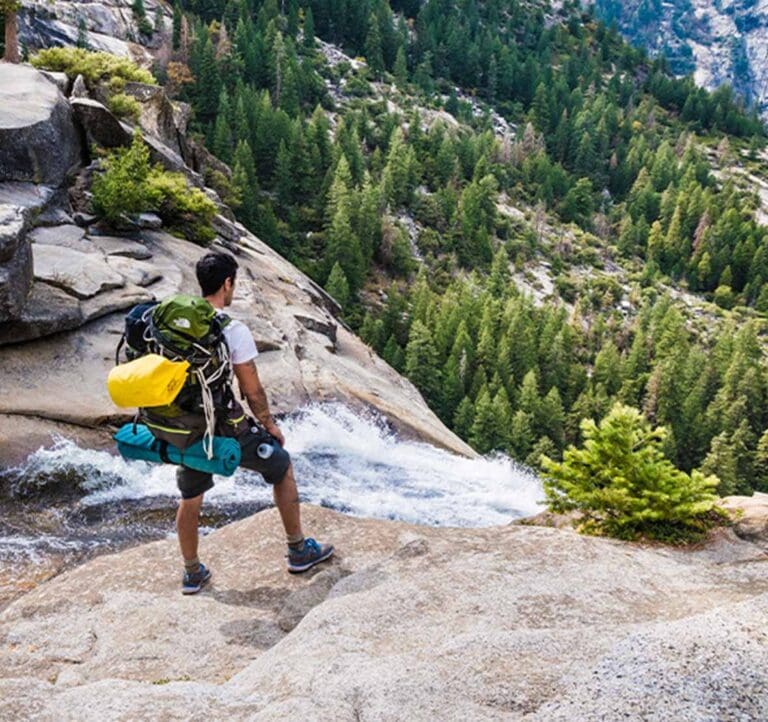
x,y
11,37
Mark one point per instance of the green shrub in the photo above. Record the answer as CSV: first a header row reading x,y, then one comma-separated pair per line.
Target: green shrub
x,y
623,485
131,185
122,189
124,106
186,210
92,66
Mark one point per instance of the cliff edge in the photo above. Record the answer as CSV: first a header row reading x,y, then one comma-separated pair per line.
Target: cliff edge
x,y
406,622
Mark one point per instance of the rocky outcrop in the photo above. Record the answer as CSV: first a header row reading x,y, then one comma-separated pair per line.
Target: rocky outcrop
x,y
750,517
19,202
158,116
35,118
406,622
108,26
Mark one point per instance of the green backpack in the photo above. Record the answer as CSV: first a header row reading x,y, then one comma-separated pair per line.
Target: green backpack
x,y
188,328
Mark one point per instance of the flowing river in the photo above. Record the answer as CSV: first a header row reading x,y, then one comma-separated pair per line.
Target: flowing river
x,y
66,504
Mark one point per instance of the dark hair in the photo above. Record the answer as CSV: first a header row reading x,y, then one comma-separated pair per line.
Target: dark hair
x,y
213,269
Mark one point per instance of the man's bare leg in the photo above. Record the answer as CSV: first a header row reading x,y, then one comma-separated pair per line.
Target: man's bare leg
x,y
286,497
187,521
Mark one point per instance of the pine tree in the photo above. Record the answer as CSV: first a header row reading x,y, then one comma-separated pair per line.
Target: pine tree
x,y
222,139
421,363
176,35
464,418
623,485
484,431
309,29
521,435
82,35
343,244
208,85
502,414
337,285
400,172
761,463
400,71
244,178
284,179
373,50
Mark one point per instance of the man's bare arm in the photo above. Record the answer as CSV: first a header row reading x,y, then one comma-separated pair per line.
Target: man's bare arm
x,y
252,389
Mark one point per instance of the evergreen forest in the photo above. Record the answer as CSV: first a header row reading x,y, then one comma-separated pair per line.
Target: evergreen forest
x,y
515,208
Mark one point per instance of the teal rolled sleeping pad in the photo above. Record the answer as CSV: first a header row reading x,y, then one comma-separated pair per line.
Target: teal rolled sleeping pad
x,y
135,441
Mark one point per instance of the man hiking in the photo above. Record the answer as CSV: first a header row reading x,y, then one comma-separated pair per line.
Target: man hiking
x,y
261,446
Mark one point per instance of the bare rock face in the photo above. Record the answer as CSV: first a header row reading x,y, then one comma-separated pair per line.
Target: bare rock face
x,y
157,113
109,26
750,517
18,202
405,623
82,275
34,118
47,310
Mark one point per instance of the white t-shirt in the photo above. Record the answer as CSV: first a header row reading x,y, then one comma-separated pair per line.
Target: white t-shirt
x,y
242,347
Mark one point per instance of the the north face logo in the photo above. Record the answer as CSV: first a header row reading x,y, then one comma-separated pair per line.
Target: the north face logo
x,y
182,323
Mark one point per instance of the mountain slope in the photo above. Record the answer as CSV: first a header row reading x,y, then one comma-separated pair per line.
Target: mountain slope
x,y
720,42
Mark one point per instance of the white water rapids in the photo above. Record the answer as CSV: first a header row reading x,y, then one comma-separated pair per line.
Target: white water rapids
x,y
350,462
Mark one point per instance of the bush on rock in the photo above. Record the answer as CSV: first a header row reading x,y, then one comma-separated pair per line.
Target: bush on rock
x,y
623,485
131,185
94,67
124,106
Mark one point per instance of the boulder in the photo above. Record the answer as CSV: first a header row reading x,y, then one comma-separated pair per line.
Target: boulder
x,y
29,198
326,328
48,310
149,220
750,517
115,301
82,275
60,80
15,281
114,246
54,217
182,112
157,113
11,230
79,88
67,235
109,27
35,119
84,219
19,202
405,623
101,126
200,159
139,273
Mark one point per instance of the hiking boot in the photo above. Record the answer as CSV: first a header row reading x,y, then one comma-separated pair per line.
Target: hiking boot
x,y
312,553
193,582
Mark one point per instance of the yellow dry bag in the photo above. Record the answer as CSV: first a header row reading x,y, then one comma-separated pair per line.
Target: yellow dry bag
x,y
150,380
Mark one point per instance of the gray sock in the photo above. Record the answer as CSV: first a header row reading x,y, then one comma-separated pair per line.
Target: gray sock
x,y
191,566
296,545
